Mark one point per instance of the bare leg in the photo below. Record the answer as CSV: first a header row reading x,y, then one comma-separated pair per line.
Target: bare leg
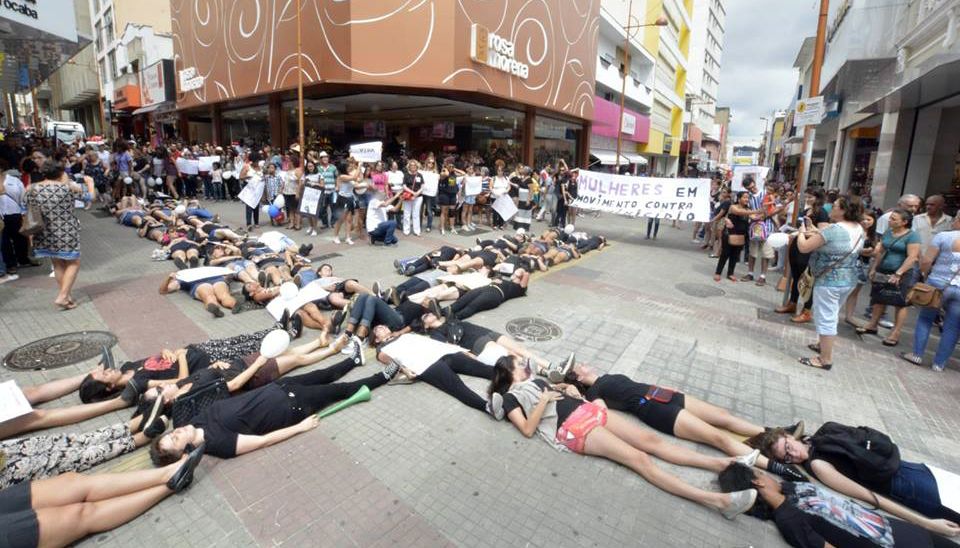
x,y
603,443
53,389
286,364
356,288
720,417
222,292
899,319
690,427
650,442
518,349
875,313
438,292
850,307
48,418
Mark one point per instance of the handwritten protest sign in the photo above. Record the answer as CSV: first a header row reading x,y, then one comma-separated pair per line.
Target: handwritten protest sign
x,y
684,199
367,152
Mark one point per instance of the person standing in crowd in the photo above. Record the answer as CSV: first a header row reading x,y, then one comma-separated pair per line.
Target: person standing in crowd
x,y
329,176
412,199
447,193
252,173
97,170
835,251
933,221
361,196
216,182
734,234
312,179
761,226
346,203
869,224
14,245
522,187
272,185
908,202
291,184
893,273
59,239
941,266
548,202
813,210
469,201
501,186
170,172
429,194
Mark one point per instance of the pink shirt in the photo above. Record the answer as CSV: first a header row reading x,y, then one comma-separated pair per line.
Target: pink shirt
x,y
379,181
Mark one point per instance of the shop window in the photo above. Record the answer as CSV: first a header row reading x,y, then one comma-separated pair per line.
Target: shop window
x,y
553,140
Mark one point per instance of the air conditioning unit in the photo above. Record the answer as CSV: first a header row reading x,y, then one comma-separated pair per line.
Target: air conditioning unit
x,y
607,59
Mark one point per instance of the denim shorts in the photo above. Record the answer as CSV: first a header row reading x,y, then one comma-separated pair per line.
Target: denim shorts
x,y
827,302
916,487
362,200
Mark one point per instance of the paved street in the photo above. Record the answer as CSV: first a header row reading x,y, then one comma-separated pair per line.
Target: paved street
x,y
413,467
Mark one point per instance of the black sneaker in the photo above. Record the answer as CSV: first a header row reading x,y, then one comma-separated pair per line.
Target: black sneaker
x,y
156,428
214,309
184,475
358,356
131,392
392,296
788,472
180,264
284,319
795,429
305,249
338,318
106,358
194,262
148,418
296,326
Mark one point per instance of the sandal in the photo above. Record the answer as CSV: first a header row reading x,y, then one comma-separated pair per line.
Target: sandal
x,y
910,357
815,347
816,365
716,277
890,343
865,331
732,278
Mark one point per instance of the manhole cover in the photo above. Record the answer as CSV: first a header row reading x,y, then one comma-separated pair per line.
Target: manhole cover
x,y
533,329
700,290
58,351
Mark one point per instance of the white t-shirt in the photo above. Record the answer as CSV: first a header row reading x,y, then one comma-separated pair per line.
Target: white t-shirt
x,y
395,180
375,214
501,186
276,241
416,353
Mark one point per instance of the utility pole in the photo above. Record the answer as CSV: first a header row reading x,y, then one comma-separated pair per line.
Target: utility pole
x,y
300,89
808,133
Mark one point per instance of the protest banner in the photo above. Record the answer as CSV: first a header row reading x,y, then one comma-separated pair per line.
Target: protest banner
x,y
759,174
683,199
505,207
189,275
472,185
188,167
431,183
367,152
206,162
313,291
252,193
310,202
13,403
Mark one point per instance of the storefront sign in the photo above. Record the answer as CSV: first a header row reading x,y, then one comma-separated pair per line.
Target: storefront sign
x,y
55,17
495,51
809,112
153,83
684,199
190,80
629,124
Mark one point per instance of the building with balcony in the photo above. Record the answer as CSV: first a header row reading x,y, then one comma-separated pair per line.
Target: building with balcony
x,y
703,82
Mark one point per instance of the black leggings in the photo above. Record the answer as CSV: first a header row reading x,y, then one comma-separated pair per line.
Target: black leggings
x,y
443,376
422,264
253,215
412,286
476,300
588,244
313,391
729,255
798,263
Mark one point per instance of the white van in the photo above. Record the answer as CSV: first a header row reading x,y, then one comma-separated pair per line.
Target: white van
x,y
66,132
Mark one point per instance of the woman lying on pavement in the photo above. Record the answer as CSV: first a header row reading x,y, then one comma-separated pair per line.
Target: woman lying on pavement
x,y
865,464
561,253
152,230
491,296
569,423
673,413
265,416
437,364
810,516
486,344
513,244
452,288
474,260
213,292
133,216
64,509
182,251
410,267
44,456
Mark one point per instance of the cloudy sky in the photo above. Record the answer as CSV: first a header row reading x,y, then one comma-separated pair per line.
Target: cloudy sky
x,y
757,74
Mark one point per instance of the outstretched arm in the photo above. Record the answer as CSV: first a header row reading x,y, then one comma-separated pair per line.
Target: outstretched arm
x,y
39,419
246,444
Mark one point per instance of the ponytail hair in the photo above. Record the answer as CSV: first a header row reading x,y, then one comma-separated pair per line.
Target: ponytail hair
x,y
502,376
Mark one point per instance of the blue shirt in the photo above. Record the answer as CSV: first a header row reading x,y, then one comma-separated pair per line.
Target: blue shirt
x,y
329,176
947,265
895,250
839,240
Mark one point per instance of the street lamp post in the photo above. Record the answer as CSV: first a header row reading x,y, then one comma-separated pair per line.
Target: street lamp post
x,y
625,68
764,143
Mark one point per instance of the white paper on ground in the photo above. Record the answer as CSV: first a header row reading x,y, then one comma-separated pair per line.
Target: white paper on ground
x,y
13,403
470,280
201,273
308,293
948,484
491,353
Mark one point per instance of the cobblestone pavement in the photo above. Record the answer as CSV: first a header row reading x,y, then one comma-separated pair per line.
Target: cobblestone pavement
x,y
415,467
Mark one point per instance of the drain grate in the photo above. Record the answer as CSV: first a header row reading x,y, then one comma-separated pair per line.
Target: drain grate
x,y
58,351
700,290
533,329
326,257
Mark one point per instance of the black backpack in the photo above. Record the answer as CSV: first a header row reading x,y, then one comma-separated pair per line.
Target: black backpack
x,y
872,452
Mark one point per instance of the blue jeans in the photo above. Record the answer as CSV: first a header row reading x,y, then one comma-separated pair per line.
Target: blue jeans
x,y
384,233
429,203
200,212
915,487
307,276
370,310
3,265
951,327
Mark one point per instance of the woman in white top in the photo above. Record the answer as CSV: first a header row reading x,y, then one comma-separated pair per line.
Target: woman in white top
x,y
252,174
346,201
501,186
291,184
362,198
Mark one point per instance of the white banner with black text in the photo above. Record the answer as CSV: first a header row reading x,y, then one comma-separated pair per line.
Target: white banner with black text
x,y
683,199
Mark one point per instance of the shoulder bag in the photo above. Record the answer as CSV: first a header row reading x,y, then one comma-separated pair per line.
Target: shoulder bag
x,y
808,278
925,295
33,218
881,290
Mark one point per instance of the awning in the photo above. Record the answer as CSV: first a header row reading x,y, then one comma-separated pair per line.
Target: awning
x,y
608,157
166,105
636,158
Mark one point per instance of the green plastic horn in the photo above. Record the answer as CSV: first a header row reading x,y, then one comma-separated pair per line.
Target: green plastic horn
x,y
361,395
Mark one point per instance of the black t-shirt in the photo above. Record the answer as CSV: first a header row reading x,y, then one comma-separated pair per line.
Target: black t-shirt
x,y
572,187
741,224
411,312
471,333
448,185
818,217
445,253
413,182
802,530
511,290
565,405
514,191
619,392
155,368
257,412
722,208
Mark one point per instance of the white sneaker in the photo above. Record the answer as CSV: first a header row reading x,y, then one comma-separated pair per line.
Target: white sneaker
x,y
349,348
886,324
443,231
337,241
453,231
349,241
9,278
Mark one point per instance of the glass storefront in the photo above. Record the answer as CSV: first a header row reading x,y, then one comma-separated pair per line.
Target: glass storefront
x,y
411,126
864,161
248,124
553,140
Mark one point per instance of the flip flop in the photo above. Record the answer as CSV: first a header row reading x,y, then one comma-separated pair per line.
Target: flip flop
x,y
908,356
865,331
809,363
888,342
814,347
